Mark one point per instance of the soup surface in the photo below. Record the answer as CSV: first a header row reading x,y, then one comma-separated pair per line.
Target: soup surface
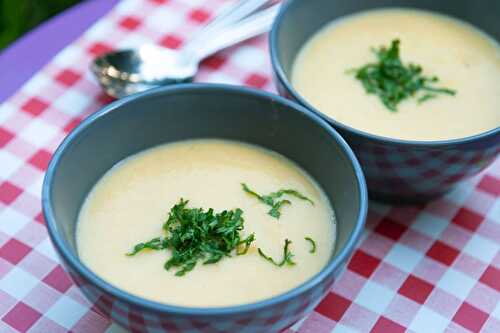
x,y
462,57
132,200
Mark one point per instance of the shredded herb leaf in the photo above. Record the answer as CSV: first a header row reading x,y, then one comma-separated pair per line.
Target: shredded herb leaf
x,y
275,210
287,256
313,244
272,199
158,243
195,234
394,81
247,241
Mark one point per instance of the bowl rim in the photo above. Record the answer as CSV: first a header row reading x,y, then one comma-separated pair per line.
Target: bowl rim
x,y
75,264
383,140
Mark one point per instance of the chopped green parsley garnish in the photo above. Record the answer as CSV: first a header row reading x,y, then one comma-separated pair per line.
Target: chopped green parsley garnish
x,y
393,82
195,234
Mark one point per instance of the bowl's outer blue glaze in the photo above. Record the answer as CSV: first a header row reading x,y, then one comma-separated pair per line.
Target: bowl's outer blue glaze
x,y
196,111
396,170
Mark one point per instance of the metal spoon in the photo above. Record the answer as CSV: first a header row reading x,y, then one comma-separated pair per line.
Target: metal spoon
x,y
125,72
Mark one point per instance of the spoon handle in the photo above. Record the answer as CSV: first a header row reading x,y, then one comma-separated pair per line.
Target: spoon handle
x,y
230,14
220,39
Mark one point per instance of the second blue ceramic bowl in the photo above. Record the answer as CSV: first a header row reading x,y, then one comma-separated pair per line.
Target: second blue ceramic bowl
x,y
396,170
171,114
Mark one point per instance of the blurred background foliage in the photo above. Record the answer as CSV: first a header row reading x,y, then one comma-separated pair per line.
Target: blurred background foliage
x,y
19,16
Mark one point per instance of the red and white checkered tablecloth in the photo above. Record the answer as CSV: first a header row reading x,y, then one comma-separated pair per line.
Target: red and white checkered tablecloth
x,y
430,268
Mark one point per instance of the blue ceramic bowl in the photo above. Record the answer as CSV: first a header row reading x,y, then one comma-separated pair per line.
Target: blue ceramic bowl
x,y
165,115
398,171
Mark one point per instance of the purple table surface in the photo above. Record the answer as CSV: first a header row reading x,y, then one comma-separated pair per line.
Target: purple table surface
x,y
20,61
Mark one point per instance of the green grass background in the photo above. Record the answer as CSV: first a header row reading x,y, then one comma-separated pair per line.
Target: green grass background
x,y
19,16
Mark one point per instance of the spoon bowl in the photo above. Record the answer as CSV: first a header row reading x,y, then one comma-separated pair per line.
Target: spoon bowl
x,y
125,72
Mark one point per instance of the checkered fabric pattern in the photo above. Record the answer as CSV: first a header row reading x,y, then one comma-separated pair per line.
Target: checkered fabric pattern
x,y
429,268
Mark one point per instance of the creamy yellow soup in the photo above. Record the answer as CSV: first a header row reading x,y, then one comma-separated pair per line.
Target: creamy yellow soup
x,y
131,202
465,60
